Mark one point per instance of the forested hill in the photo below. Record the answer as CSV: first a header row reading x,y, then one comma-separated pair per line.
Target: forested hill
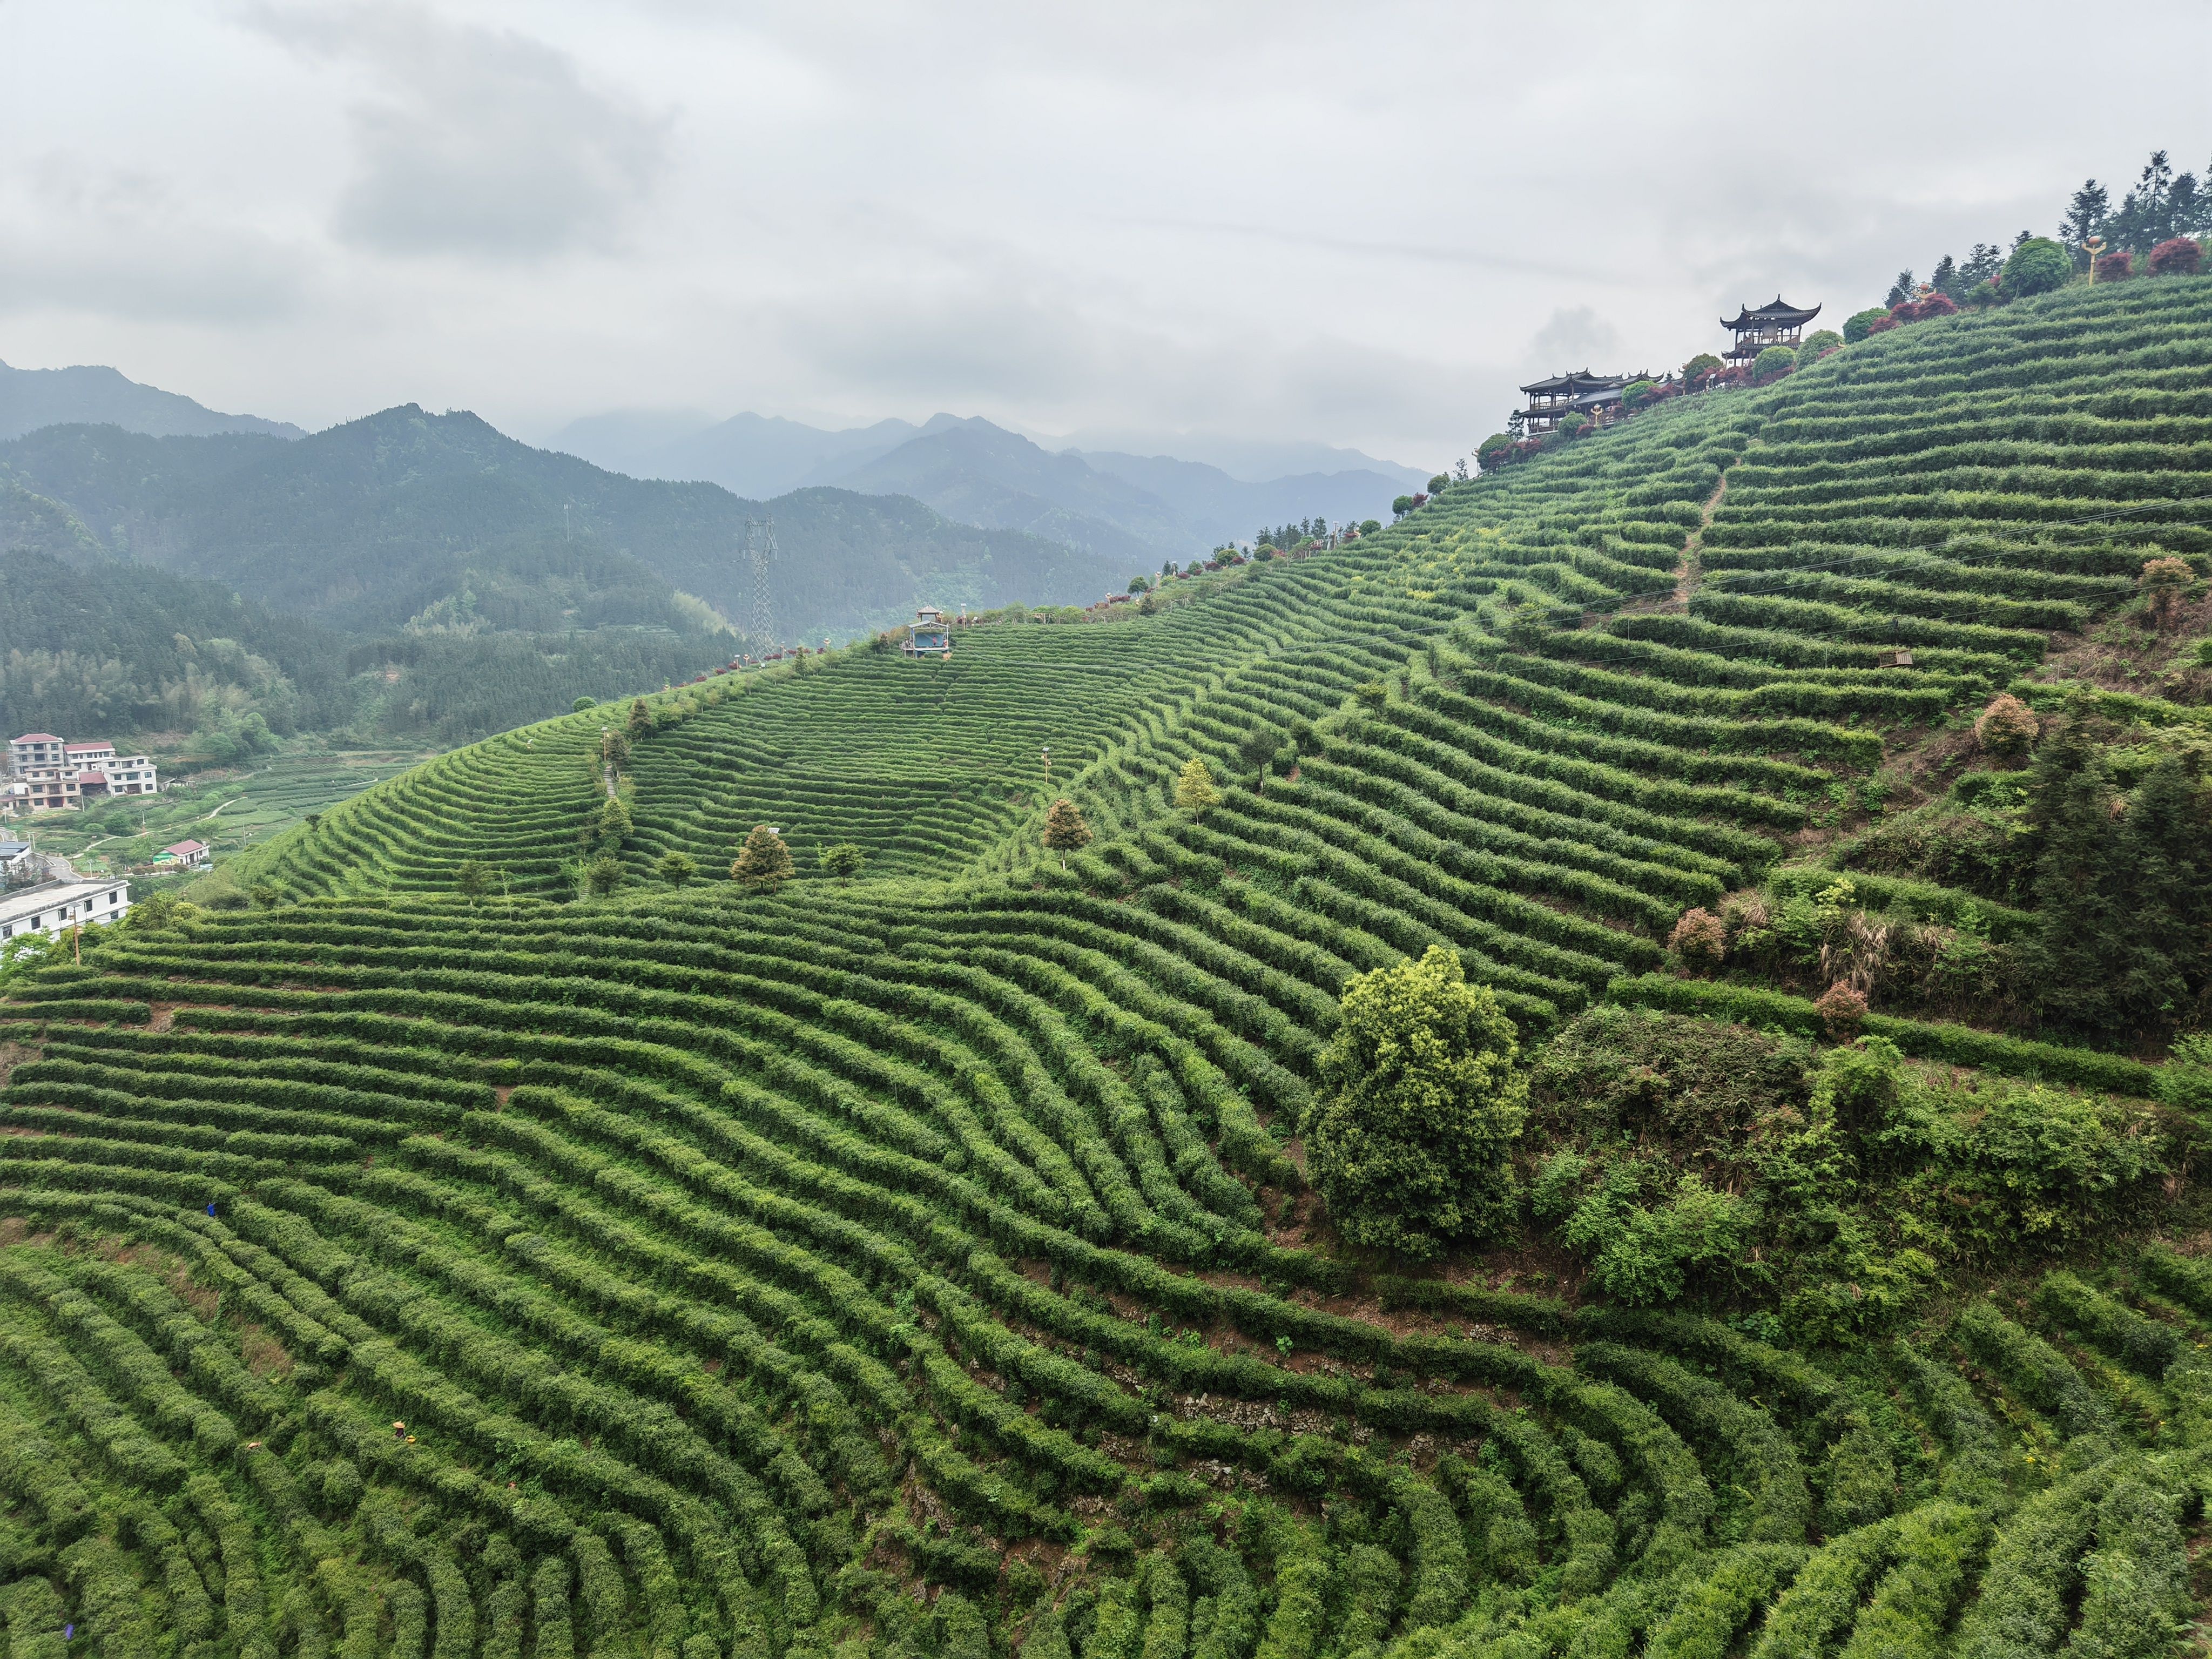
x,y
364,525
509,1236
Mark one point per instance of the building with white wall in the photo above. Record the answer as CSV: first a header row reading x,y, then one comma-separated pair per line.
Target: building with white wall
x,y
47,775
52,907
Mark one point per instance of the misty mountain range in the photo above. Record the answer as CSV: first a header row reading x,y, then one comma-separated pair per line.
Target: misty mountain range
x,y
1105,500
410,575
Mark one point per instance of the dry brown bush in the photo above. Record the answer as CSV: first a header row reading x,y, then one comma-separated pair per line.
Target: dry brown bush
x,y
2008,726
1700,939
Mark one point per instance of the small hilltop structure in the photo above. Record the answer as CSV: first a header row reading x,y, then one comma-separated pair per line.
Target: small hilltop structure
x,y
930,637
1778,323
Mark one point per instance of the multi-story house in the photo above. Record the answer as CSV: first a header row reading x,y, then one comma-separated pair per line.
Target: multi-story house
x,y
47,775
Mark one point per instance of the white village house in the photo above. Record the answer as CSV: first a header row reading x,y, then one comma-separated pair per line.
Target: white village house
x,y
53,907
47,774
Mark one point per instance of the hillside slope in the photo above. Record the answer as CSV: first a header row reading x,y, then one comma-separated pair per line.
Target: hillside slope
x,y
927,1263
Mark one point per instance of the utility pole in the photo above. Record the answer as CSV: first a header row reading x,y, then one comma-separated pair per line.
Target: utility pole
x,y
760,549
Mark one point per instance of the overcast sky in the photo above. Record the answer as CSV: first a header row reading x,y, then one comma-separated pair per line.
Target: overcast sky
x,y
1358,223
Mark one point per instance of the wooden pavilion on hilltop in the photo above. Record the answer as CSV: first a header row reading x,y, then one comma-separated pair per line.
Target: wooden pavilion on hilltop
x,y
1597,396
1776,324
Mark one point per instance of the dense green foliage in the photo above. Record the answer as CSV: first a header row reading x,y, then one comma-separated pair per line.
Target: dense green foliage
x,y
923,1263
1410,1137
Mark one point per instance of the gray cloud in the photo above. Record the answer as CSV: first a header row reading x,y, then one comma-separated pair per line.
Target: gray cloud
x,y
1279,218
477,142
88,241
1574,337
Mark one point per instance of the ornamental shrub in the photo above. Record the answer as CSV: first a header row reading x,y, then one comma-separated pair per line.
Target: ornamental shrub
x,y
1773,363
1925,309
2177,256
1065,831
764,861
1841,1008
1700,367
1883,324
1700,937
1494,452
1411,1136
2037,266
1861,324
2116,267
1635,396
2008,727
1575,420
582,703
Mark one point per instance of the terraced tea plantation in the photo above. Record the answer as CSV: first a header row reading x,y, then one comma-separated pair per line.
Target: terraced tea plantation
x,y
924,1264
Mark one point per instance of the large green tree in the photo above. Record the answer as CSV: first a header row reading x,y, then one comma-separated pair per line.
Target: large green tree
x,y
1410,1139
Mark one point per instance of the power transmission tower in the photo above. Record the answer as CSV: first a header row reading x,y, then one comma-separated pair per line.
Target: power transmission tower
x,y
760,547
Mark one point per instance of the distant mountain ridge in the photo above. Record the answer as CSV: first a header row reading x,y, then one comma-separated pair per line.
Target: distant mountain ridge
x,y
366,526
1142,508
93,395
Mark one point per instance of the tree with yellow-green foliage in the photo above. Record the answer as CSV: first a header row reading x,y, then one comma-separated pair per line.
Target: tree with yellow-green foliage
x,y
1194,789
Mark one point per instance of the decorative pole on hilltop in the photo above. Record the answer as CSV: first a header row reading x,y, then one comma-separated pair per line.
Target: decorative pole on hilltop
x,y
2094,247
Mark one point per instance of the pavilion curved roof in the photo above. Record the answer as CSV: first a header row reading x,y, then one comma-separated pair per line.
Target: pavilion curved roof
x,y
1778,311
1578,381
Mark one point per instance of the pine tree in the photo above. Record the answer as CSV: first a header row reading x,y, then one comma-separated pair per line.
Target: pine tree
x,y
1194,789
1065,831
764,860
640,719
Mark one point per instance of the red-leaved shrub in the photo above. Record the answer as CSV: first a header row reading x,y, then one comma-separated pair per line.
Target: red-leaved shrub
x,y
2178,256
2116,267
1883,325
1841,1010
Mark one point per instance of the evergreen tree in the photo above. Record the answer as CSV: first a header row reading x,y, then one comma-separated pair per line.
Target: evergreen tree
x,y
676,868
640,719
2123,888
2086,213
602,876
1065,831
613,825
473,879
764,861
843,861
1901,290
1194,790
1946,280
1984,262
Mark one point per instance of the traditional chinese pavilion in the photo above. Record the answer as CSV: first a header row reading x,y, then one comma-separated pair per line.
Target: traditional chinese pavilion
x,y
1597,395
1776,324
